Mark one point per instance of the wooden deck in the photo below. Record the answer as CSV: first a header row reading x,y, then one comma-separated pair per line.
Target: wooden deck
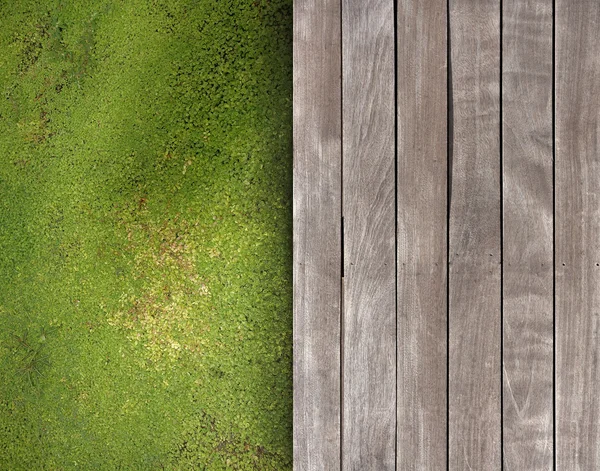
x,y
446,235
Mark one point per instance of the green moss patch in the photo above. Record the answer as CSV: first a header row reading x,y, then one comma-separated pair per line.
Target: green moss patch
x,y
145,235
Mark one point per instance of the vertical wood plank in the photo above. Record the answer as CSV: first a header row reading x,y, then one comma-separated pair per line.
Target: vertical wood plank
x,y
474,279
422,233
527,90
317,234
577,199
369,359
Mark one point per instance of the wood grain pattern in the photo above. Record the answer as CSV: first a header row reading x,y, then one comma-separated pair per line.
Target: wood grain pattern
x,y
474,279
317,235
369,360
528,237
422,221
577,198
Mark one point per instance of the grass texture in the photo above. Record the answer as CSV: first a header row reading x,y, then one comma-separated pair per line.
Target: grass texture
x,y
145,235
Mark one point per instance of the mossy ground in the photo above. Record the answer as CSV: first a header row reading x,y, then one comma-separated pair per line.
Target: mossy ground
x,y
145,234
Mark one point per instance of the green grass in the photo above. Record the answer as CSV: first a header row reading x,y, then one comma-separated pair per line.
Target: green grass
x,y
145,235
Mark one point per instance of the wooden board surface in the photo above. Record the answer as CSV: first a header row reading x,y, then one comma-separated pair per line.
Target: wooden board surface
x,y
317,235
528,237
447,235
369,323
577,193
474,250
422,234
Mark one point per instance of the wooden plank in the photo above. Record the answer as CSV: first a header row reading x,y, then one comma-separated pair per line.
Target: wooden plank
x,y
317,234
527,243
369,323
577,199
422,233
474,278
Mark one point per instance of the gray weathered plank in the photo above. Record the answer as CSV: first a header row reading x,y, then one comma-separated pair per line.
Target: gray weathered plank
x,y
422,216
474,278
369,322
577,197
317,234
527,244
